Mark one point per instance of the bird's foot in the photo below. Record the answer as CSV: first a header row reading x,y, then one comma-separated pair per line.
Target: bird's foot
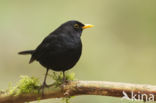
x,y
65,81
42,88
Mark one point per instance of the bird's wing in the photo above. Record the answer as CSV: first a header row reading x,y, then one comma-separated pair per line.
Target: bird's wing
x,y
43,48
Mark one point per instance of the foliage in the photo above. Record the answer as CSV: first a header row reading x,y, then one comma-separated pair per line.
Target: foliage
x,y
31,84
58,78
25,85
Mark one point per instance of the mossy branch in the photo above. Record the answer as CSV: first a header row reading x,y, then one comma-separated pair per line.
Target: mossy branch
x,y
75,88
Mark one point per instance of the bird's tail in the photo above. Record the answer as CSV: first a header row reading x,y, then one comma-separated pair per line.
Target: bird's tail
x,y
26,52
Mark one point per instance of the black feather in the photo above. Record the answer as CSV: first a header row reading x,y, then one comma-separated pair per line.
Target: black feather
x,y
26,52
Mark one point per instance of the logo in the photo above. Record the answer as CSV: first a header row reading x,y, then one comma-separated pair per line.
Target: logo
x,y
138,97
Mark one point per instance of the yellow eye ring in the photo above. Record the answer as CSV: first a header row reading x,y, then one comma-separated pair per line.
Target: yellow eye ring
x,y
76,26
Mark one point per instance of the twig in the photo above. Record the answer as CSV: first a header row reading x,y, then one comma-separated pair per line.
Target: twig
x,y
75,88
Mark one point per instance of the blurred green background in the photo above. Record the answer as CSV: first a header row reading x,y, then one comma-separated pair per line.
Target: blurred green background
x,y
121,47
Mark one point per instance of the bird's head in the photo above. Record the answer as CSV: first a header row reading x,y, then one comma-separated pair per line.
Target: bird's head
x,y
75,26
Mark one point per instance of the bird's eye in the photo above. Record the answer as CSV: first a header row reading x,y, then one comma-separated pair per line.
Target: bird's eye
x,y
76,26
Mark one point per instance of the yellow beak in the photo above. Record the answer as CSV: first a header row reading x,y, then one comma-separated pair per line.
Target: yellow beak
x,y
87,26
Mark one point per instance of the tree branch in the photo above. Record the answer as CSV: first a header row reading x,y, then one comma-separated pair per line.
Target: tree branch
x,y
75,88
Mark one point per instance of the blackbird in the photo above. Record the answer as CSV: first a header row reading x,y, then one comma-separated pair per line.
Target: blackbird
x,y
61,49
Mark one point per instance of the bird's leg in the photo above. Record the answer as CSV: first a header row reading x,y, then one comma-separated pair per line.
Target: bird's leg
x,y
44,82
64,77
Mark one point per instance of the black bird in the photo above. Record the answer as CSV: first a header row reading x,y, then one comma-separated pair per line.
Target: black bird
x,y
61,49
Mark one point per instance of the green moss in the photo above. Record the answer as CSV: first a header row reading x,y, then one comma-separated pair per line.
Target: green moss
x,y
58,78
25,85
66,100
70,76
31,84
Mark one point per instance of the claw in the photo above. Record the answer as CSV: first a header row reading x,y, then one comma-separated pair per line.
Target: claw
x,y
42,88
